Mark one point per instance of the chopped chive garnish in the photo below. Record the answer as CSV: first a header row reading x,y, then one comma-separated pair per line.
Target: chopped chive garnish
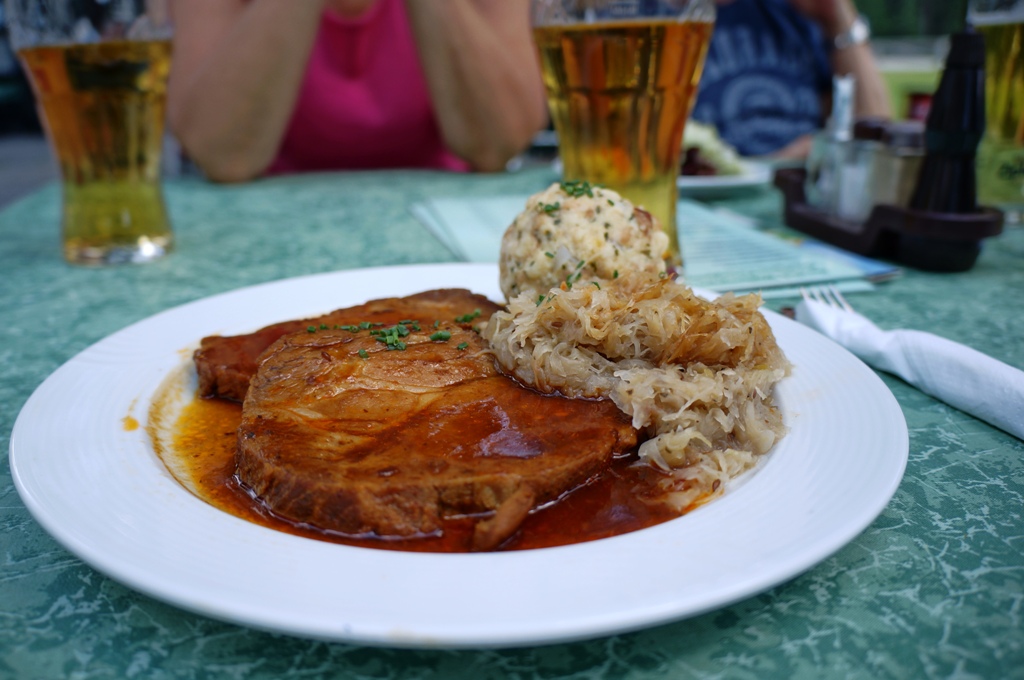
x,y
311,329
466,318
363,353
577,188
390,336
462,345
441,335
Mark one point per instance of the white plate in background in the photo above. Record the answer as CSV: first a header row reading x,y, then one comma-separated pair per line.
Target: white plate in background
x,y
755,174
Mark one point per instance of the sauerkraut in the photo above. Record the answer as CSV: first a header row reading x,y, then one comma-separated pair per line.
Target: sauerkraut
x,y
575,232
696,376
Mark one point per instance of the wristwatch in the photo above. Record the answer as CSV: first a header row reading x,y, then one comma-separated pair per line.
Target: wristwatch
x,y
857,34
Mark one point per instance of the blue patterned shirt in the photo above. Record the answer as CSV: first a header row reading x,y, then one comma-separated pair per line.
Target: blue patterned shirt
x,y
767,68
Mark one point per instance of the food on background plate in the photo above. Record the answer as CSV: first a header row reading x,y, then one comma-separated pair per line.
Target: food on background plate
x,y
403,419
706,154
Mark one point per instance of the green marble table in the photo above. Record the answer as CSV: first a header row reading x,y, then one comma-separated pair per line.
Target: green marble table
x,y
934,588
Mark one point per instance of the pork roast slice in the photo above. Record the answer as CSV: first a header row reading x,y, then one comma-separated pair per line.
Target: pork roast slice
x,y
340,432
225,364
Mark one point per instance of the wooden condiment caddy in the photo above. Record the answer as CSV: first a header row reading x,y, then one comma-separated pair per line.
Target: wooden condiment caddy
x,y
941,242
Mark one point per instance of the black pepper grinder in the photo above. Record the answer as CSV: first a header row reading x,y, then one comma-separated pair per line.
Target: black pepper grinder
x,y
956,122
947,182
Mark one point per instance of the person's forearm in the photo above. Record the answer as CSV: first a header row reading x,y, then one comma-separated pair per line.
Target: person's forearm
x,y
483,76
798,149
235,79
871,97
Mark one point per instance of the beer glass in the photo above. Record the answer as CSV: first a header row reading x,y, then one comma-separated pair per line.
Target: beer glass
x,y
99,69
621,77
1001,154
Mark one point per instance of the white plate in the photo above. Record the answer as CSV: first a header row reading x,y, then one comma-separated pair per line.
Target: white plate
x,y
755,174
100,490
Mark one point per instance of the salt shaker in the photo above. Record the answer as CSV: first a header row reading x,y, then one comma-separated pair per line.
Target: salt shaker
x,y
829,149
854,196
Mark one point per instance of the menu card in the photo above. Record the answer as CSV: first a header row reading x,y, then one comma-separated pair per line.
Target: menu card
x,y
722,251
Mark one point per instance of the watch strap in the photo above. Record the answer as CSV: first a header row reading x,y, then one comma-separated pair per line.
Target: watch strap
x,y
857,34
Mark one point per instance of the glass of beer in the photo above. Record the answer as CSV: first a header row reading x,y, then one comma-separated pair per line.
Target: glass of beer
x,y
621,77
1001,154
99,69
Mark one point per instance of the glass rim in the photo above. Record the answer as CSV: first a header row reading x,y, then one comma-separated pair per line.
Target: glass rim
x,y
69,42
583,12
991,13
63,23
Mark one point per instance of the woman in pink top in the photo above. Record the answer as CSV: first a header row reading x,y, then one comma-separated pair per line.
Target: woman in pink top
x,y
262,86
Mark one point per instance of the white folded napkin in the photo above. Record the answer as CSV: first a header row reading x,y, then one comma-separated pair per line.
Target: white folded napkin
x,y
956,374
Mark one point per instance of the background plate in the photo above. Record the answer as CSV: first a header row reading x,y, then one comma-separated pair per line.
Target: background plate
x,y
755,174
100,490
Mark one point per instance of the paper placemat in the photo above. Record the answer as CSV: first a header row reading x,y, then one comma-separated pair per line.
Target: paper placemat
x,y
722,251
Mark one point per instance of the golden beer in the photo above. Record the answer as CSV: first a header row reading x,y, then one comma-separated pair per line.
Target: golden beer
x,y
1001,155
103,110
619,94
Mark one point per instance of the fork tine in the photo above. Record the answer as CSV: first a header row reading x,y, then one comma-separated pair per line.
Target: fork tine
x,y
828,295
812,293
839,299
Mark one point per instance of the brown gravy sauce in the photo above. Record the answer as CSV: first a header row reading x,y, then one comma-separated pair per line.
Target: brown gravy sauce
x,y
619,500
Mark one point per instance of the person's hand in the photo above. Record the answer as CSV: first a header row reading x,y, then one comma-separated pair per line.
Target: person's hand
x,y
798,149
834,16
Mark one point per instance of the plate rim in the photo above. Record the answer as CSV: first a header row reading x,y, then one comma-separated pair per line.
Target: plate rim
x,y
755,173
612,622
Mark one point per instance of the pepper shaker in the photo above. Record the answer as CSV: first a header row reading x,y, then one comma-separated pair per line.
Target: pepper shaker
x,y
956,122
947,182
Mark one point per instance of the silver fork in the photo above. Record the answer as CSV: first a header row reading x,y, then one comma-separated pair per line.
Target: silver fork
x,y
827,295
